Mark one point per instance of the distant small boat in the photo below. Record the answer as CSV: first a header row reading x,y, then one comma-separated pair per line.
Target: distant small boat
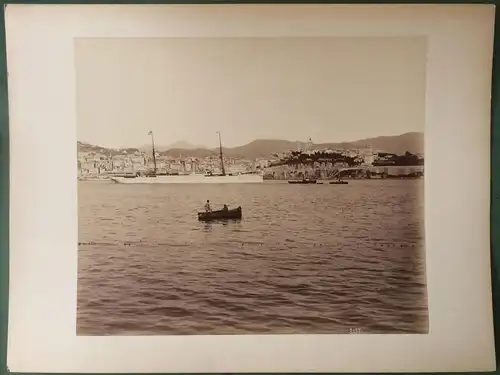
x,y
339,182
220,214
304,181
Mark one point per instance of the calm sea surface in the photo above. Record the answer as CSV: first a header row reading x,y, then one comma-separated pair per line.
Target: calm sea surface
x,y
304,259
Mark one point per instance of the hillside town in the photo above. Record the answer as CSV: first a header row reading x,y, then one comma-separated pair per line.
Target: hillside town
x,y
306,160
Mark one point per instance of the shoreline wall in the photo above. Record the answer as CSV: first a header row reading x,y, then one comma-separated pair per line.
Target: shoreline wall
x,y
286,172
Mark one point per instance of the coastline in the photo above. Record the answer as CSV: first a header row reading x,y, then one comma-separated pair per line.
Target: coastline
x,y
280,180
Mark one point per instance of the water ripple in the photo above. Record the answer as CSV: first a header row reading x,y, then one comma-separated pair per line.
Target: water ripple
x,y
301,261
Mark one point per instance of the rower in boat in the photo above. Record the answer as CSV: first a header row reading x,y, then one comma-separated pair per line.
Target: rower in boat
x,y
208,208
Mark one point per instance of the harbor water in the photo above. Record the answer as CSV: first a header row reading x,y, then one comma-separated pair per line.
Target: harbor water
x,y
304,259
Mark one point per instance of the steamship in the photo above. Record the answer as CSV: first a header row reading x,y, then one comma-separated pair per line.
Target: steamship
x,y
222,178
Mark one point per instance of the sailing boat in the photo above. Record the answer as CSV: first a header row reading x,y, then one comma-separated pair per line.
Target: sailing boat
x,y
221,178
153,174
339,181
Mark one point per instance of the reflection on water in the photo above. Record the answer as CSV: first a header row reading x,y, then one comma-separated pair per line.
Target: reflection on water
x,y
234,223
303,259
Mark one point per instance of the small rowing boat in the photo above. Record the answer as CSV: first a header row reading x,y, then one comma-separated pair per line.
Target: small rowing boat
x,y
304,181
339,182
220,214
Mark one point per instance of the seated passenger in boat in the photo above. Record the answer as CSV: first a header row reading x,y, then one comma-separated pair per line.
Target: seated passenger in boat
x,y
225,208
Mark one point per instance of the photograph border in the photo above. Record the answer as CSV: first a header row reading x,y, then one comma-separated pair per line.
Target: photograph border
x,y
5,173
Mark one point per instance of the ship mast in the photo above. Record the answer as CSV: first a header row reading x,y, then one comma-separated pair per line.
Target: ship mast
x,y
221,157
154,152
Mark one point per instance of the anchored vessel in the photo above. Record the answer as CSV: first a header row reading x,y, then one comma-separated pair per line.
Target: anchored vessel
x,y
339,181
303,181
222,178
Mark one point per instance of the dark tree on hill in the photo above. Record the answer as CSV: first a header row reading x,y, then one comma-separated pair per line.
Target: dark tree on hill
x,y
408,159
297,157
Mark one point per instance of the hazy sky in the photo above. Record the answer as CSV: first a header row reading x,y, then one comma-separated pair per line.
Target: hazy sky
x,y
186,89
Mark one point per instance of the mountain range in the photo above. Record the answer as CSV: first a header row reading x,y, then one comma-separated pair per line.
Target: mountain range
x,y
263,148
183,145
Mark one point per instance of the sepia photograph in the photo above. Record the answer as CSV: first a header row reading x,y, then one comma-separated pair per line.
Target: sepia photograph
x,y
251,185
249,188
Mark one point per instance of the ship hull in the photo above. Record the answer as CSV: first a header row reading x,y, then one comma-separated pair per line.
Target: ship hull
x,y
191,179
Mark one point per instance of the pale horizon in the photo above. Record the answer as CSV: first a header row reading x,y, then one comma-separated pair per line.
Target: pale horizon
x,y
329,89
